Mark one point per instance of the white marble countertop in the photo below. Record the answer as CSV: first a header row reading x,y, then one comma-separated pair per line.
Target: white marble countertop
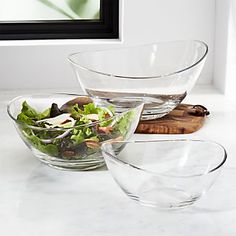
x,y
38,200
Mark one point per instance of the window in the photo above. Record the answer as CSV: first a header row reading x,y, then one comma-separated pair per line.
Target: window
x,y
58,19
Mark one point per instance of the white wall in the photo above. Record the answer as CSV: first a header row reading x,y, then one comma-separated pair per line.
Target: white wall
x,y
230,79
43,64
225,47
221,43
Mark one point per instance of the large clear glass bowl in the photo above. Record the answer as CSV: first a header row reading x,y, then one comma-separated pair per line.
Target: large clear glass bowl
x,y
164,173
161,73
55,147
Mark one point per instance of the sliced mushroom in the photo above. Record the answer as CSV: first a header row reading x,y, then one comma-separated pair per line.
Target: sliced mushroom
x,y
63,120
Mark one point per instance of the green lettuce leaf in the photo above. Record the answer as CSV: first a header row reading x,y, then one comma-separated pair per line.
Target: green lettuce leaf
x,y
90,109
45,114
28,114
25,119
76,112
78,137
123,124
50,149
28,110
94,138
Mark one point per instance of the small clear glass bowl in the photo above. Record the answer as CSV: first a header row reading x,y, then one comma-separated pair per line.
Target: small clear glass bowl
x,y
160,73
59,151
165,174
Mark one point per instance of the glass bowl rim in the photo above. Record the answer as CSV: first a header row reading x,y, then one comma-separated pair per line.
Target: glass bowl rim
x,y
122,162
69,58
140,103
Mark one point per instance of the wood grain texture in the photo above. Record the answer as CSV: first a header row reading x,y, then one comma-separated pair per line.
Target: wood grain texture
x,y
184,119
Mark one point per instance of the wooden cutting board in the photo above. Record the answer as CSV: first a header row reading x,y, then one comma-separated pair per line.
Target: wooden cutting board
x,y
184,119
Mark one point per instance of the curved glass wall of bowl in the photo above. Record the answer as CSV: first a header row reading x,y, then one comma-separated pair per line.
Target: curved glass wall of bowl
x,y
71,139
165,174
161,74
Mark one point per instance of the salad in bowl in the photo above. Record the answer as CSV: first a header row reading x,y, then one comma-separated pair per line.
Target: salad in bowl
x,y
66,131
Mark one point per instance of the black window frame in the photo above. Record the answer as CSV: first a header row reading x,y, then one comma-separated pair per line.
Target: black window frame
x,y
106,27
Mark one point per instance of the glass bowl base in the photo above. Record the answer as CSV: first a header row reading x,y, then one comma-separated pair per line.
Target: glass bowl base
x,y
155,111
71,165
74,167
155,114
154,108
165,199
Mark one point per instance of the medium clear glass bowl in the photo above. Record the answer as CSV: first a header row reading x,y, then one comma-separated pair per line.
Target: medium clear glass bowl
x,y
164,173
55,147
161,73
